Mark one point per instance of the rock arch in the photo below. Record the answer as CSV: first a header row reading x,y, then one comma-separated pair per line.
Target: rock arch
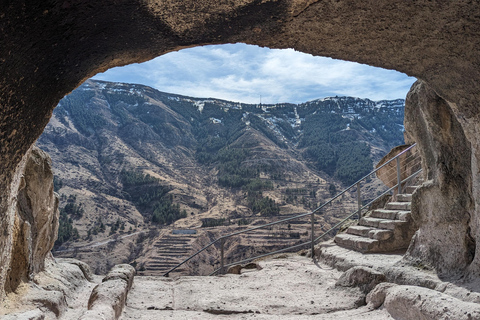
x,y
50,47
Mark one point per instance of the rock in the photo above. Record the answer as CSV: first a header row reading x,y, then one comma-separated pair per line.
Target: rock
x,y
363,277
108,298
443,207
85,268
63,277
237,269
50,301
407,302
376,297
35,221
124,272
28,315
380,202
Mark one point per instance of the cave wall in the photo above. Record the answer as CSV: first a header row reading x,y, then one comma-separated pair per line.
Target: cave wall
x,y
50,47
35,220
443,207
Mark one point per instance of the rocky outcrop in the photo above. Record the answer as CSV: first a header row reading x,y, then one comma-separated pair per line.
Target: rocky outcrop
x,y
49,48
443,207
35,222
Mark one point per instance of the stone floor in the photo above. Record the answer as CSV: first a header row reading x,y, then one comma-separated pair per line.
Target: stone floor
x,y
288,287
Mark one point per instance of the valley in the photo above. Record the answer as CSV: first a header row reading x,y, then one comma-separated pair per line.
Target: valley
x,y
134,165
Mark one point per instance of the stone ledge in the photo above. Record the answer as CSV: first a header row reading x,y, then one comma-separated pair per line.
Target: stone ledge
x,y
108,298
410,302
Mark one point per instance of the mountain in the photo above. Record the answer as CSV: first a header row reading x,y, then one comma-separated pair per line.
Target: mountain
x,y
132,160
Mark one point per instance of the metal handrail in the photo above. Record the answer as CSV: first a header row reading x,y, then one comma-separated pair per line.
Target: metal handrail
x,y
312,214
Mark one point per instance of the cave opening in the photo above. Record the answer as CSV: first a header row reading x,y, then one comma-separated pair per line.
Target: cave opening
x,y
129,158
49,48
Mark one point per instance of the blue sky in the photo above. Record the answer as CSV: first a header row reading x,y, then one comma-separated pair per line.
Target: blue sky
x,y
243,73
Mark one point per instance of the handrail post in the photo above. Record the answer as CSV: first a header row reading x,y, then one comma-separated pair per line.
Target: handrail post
x,y
222,251
312,235
399,178
359,201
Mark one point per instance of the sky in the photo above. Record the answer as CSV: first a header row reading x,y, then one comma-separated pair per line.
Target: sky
x,y
251,74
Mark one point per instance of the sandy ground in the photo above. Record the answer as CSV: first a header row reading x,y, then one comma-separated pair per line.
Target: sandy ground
x,y
292,287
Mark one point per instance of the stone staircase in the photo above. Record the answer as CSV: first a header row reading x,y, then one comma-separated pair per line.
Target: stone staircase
x,y
383,230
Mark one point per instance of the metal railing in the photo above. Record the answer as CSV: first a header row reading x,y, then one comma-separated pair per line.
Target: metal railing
x,y
405,159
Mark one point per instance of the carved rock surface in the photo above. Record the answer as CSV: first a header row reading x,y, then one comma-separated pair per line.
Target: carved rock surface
x,y
410,302
443,206
49,48
108,298
51,295
407,302
35,226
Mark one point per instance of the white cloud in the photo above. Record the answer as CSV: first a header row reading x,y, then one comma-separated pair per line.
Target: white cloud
x,y
244,73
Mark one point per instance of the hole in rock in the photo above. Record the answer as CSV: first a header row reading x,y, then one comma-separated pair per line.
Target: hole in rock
x,y
153,161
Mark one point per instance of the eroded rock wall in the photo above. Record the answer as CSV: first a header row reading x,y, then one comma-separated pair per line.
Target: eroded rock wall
x,y
443,206
35,220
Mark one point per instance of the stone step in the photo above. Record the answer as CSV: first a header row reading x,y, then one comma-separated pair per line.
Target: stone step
x,y
175,246
404,216
404,197
372,233
384,214
381,223
357,243
398,206
359,230
380,234
391,214
410,189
